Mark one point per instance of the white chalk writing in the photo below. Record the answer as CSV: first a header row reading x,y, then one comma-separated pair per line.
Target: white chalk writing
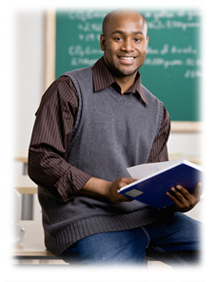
x,y
156,20
89,37
192,14
162,62
83,61
165,49
191,62
90,27
156,24
163,14
192,74
182,25
171,54
86,15
181,14
188,50
173,50
176,62
78,50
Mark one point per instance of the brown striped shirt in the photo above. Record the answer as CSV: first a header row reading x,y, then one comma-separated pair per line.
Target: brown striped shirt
x,y
52,132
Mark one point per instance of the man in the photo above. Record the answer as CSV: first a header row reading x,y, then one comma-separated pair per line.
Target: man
x,y
91,125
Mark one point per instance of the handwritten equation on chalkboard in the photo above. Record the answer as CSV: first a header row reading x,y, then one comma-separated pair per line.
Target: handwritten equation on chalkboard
x,y
172,53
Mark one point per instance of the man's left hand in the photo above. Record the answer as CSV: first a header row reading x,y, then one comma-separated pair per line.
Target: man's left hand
x,y
183,200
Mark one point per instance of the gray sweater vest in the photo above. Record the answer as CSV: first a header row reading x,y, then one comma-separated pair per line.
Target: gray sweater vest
x,y
112,132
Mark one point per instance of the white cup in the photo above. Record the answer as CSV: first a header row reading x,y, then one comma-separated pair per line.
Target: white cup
x,y
18,234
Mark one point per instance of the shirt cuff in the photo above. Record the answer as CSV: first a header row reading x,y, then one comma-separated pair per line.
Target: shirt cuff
x,y
71,183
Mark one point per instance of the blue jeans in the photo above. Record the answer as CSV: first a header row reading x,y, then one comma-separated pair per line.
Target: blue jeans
x,y
174,241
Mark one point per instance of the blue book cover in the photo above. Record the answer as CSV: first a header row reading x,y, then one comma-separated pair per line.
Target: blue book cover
x,y
152,189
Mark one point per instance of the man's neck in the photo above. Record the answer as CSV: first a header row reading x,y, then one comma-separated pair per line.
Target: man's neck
x,y
125,82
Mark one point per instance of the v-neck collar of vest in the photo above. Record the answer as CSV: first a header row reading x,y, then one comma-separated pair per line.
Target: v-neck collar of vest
x,y
103,78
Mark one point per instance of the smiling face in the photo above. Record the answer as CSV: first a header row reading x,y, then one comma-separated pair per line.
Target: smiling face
x,y
125,43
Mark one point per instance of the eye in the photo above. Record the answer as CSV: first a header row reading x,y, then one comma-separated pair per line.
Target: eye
x,y
118,39
137,39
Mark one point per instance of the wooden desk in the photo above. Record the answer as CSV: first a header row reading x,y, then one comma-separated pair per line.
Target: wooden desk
x,y
27,198
33,245
33,248
22,156
193,159
24,185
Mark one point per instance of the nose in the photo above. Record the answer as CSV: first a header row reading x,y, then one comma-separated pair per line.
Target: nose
x,y
128,45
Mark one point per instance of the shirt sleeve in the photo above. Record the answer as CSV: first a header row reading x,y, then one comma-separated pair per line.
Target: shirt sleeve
x,y
159,152
50,139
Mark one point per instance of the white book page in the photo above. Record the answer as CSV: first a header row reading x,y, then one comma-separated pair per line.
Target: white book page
x,y
147,170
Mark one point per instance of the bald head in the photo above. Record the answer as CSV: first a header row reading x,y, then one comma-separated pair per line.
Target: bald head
x,y
120,13
125,44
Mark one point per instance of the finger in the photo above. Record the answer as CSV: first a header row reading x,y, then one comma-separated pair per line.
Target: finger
x,y
125,181
186,193
191,199
197,191
181,205
173,194
173,198
183,191
124,199
180,193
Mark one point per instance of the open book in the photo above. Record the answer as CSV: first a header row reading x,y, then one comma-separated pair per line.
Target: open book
x,y
155,179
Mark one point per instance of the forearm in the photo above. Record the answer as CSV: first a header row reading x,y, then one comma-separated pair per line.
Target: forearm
x,y
95,187
48,169
51,136
106,189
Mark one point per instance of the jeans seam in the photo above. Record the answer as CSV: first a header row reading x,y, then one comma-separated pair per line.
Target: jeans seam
x,y
147,235
182,262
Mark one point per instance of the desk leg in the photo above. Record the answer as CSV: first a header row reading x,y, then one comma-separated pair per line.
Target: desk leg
x,y
27,202
27,207
25,169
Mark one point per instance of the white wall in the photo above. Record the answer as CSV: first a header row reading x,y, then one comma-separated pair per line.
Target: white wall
x,y
189,144
24,74
30,73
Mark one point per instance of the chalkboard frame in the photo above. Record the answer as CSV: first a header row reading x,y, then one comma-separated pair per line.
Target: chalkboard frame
x,y
50,52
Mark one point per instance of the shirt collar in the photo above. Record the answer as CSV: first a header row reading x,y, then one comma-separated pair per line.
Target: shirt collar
x,y
103,78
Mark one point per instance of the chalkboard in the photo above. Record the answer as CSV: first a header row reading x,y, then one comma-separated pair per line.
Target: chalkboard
x,y
172,69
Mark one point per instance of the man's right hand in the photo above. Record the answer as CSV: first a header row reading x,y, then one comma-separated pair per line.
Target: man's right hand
x,y
107,189
115,186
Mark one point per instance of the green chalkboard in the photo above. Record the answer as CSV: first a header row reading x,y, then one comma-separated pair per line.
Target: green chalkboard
x,y
172,69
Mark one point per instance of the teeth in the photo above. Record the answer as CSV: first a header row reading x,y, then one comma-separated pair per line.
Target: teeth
x,y
127,58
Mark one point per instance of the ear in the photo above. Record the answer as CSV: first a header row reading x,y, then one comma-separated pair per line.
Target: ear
x,y
102,42
147,44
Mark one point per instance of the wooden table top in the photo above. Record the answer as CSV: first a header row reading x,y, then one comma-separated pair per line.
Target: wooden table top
x,y
33,244
22,183
22,156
